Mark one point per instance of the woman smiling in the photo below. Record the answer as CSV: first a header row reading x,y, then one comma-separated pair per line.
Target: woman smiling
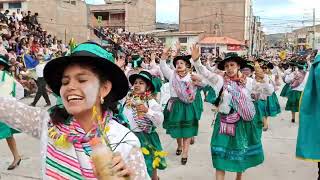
x,y
90,84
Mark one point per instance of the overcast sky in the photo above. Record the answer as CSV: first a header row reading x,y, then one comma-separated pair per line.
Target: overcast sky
x,y
276,15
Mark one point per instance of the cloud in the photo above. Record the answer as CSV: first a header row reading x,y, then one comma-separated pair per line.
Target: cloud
x,y
286,15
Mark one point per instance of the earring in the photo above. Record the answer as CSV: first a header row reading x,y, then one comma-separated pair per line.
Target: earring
x,y
101,100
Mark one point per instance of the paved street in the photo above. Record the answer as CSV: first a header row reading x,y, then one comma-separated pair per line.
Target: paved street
x,y
279,147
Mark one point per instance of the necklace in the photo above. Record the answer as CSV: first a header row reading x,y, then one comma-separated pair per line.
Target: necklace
x,y
65,135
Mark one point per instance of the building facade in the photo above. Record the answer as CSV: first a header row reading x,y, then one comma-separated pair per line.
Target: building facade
x,y
64,18
13,5
186,39
302,38
131,15
229,18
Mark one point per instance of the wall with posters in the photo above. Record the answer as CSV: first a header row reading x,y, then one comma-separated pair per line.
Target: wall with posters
x,y
223,48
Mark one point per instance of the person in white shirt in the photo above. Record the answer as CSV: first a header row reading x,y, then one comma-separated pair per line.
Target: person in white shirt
x,y
19,15
42,87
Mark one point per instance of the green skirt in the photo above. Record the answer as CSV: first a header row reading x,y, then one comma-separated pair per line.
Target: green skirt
x,y
293,101
211,95
6,131
240,152
199,102
181,120
261,108
157,84
152,143
285,90
273,106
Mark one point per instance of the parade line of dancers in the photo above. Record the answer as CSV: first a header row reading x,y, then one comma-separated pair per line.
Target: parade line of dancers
x,y
105,125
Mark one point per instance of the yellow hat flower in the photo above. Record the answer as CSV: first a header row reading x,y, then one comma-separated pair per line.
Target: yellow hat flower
x,y
145,151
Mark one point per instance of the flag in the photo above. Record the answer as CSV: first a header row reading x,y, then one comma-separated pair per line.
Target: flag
x,y
29,62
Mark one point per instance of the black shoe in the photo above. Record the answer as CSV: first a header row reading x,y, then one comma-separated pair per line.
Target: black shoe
x,y
184,161
192,141
178,152
293,121
265,129
13,166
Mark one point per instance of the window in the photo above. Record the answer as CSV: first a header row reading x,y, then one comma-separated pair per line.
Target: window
x,y
104,15
183,40
16,5
73,2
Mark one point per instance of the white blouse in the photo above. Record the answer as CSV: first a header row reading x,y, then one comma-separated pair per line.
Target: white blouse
x,y
169,73
154,114
216,81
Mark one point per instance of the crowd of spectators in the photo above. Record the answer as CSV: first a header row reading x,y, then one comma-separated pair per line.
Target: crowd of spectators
x,y
21,35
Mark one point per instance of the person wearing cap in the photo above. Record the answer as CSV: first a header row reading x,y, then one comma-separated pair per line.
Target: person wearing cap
x,y
308,134
144,115
236,139
297,80
90,84
9,87
181,114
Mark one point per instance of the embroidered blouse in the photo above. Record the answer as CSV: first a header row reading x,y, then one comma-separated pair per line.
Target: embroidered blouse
x,y
216,81
74,160
154,114
289,78
169,73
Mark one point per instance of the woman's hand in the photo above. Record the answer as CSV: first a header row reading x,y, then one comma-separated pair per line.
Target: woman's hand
x,y
195,52
119,167
165,54
142,108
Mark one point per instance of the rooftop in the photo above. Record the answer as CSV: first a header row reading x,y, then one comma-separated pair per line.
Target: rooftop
x,y
220,40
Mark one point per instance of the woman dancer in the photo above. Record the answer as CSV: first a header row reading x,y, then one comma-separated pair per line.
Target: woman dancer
x,y
11,88
236,141
144,115
273,106
90,84
297,80
181,115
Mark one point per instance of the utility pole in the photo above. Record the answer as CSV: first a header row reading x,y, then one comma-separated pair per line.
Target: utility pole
x,y
314,29
216,26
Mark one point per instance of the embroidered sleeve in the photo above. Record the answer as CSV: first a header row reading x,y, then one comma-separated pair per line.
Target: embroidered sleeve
x,y
262,90
22,117
210,68
167,72
155,113
213,79
137,164
289,78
